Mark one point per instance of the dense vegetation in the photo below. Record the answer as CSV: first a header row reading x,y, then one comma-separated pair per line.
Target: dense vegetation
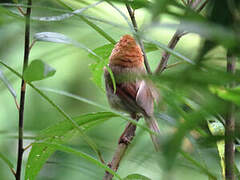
x,y
55,119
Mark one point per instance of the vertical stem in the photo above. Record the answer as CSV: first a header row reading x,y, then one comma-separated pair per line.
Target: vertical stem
x,y
134,23
23,91
230,126
123,143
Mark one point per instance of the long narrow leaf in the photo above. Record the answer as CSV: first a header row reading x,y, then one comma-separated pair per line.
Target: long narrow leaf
x,y
66,15
81,154
96,105
89,141
59,133
7,162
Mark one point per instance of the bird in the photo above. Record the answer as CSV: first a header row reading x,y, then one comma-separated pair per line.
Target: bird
x,y
133,94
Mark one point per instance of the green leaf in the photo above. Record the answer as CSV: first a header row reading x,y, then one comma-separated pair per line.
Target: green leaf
x,y
81,154
217,129
137,4
59,133
66,15
232,95
60,38
103,51
8,163
136,177
149,47
97,68
172,52
38,70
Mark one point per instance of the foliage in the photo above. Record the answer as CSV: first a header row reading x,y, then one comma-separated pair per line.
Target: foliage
x,y
76,37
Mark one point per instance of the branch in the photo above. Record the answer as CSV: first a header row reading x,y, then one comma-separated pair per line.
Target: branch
x,y
123,142
176,37
23,91
134,23
230,126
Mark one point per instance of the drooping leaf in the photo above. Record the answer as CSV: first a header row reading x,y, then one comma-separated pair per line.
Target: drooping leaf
x,y
136,177
60,38
38,70
59,133
82,155
66,15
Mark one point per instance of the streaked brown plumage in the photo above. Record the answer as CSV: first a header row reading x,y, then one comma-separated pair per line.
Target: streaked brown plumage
x,y
133,95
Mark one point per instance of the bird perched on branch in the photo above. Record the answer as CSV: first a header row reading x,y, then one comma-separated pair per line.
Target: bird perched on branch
x,y
133,94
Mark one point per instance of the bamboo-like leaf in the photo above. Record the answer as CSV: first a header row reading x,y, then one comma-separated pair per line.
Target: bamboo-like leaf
x,y
61,38
80,154
59,133
172,52
66,15
89,141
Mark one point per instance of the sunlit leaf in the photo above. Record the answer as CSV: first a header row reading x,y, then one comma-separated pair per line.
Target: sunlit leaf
x,y
38,70
217,129
232,95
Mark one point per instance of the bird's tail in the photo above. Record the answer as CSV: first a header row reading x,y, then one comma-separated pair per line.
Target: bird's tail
x,y
153,125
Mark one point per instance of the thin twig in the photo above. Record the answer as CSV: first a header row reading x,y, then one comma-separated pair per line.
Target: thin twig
x,y
175,64
123,142
134,23
230,126
21,11
23,91
176,37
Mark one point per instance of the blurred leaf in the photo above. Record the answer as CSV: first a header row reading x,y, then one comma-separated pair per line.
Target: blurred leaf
x,y
66,15
38,70
81,154
232,95
7,84
149,47
172,52
61,133
60,38
205,170
137,4
79,98
91,24
7,162
158,7
136,177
